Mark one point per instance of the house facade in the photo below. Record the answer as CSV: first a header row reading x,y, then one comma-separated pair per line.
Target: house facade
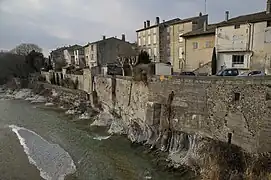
x,y
148,39
198,47
162,40
104,52
91,54
244,42
176,40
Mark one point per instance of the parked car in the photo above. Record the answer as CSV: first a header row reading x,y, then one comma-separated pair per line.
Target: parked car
x,y
253,73
229,72
187,74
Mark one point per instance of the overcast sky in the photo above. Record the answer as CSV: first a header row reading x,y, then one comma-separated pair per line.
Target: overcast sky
x,y
54,23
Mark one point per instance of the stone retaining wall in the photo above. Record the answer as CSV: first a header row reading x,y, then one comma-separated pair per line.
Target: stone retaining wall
x,y
225,109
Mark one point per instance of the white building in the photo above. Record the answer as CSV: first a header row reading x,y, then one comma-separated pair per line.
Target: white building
x,y
79,57
244,42
69,54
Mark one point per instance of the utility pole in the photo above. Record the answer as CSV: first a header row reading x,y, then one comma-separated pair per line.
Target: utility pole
x,y
205,6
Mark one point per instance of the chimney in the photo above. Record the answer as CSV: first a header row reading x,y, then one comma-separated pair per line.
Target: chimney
x,y
123,37
227,13
205,26
157,20
268,7
104,37
145,25
148,23
200,14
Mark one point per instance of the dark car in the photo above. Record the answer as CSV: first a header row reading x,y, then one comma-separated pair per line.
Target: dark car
x,y
187,74
229,72
253,73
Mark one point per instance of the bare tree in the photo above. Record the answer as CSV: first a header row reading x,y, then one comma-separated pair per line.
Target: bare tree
x,y
24,49
122,60
132,61
127,55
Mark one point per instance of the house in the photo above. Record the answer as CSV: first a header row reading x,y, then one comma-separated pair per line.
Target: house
x,y
176,42
198,47
106,51
162,40
57,58
69,54
63,56
244,42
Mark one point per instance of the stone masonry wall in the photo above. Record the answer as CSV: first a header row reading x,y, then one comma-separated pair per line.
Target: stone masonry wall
x,y
210,106
123,97
216,107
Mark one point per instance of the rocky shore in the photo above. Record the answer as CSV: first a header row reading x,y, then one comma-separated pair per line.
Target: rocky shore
x,y
188,155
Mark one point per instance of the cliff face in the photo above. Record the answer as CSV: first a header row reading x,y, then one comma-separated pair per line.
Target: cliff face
x,y
211,126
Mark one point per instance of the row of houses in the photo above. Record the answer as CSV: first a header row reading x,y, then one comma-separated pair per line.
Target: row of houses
x,y
240,42
98,53
187,44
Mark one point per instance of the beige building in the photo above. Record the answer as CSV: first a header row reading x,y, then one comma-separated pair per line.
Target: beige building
x,y
162,40
199,46
148,39
245,42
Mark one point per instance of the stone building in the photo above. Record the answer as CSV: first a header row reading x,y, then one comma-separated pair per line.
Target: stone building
x,y
162,40
245,41
199,46
69,55
105,51
63,56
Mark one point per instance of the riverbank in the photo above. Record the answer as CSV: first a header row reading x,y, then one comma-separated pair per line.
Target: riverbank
x,y
215,160
85,118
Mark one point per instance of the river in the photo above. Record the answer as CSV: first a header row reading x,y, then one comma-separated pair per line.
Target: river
x,y
37,143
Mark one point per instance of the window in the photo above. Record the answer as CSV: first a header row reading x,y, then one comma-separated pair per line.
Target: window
x,y
268,24
144,41
92,56
91,47
180,52
154,30
154,39
155,51
195,45
208,44
168,29
139,41
237,59
180,27
237,26
149,39
149,32
180,38
149,51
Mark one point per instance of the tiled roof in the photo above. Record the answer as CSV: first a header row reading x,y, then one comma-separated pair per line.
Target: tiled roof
x,y
172,22
249,18
209,30
103,40
69,48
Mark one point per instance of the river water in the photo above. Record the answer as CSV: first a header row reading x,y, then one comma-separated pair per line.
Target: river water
x,y
37,143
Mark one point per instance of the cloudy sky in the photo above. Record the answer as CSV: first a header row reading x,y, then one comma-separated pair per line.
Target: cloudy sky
x,y
54,23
